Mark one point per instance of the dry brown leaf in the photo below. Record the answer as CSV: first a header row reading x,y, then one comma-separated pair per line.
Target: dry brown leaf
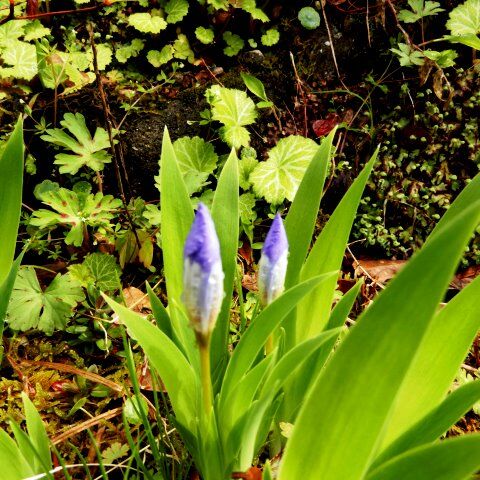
x,y
378,270
136,300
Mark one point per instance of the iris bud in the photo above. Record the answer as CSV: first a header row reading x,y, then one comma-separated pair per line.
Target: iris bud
x,y
202,274
273,262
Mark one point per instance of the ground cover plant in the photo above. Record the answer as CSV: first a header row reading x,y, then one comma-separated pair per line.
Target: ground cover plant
x,y
240,239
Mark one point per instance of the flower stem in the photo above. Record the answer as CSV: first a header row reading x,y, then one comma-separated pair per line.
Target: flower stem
x,y
204,348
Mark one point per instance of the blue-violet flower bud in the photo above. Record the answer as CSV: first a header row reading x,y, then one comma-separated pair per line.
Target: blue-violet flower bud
x,y
202,273
273,262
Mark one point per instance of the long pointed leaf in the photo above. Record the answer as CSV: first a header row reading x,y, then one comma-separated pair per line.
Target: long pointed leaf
x,y
38,436
448,341
176,373
436,423
349,405
453,459
176,220
265,323
326,255
11,180
226,217
302,215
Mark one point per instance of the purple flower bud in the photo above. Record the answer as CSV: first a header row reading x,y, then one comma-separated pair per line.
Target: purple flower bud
x,y
202,273
273,262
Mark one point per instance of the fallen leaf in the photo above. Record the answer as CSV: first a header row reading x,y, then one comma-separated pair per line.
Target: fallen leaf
x,y
378,270
136,300
325,126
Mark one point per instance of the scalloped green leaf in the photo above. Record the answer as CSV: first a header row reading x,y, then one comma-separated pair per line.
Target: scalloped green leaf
x,y
47,310
465,19
176,10
147,23
279,177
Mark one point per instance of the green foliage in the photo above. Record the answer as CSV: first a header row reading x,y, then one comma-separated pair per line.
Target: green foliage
x,y
407,56
464,24
257,88
129,50
176,10
46,310
234,109
147,22
182,49
270,37
465,19
397,323
205,35
87,150
77,210
419,9
197,160
98,270
309,18
159,58
423,163
278,178
234,43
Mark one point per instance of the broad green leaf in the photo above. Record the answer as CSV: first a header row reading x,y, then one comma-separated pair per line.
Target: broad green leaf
x,y
159,58
176,373
11,31
205,35
279,177
234,109
147,23
49,309
19,60
176,10
234,43
465,19
14,465
11,181
197,160
226,218
420,9
98,269
250,6
38,436
432,426
381,346
123,53
246,204
448,340
246,166
176,219
453,459
87,150
469,40
254,338
182,49
75,210
326,255
254,85
270,37
35,30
